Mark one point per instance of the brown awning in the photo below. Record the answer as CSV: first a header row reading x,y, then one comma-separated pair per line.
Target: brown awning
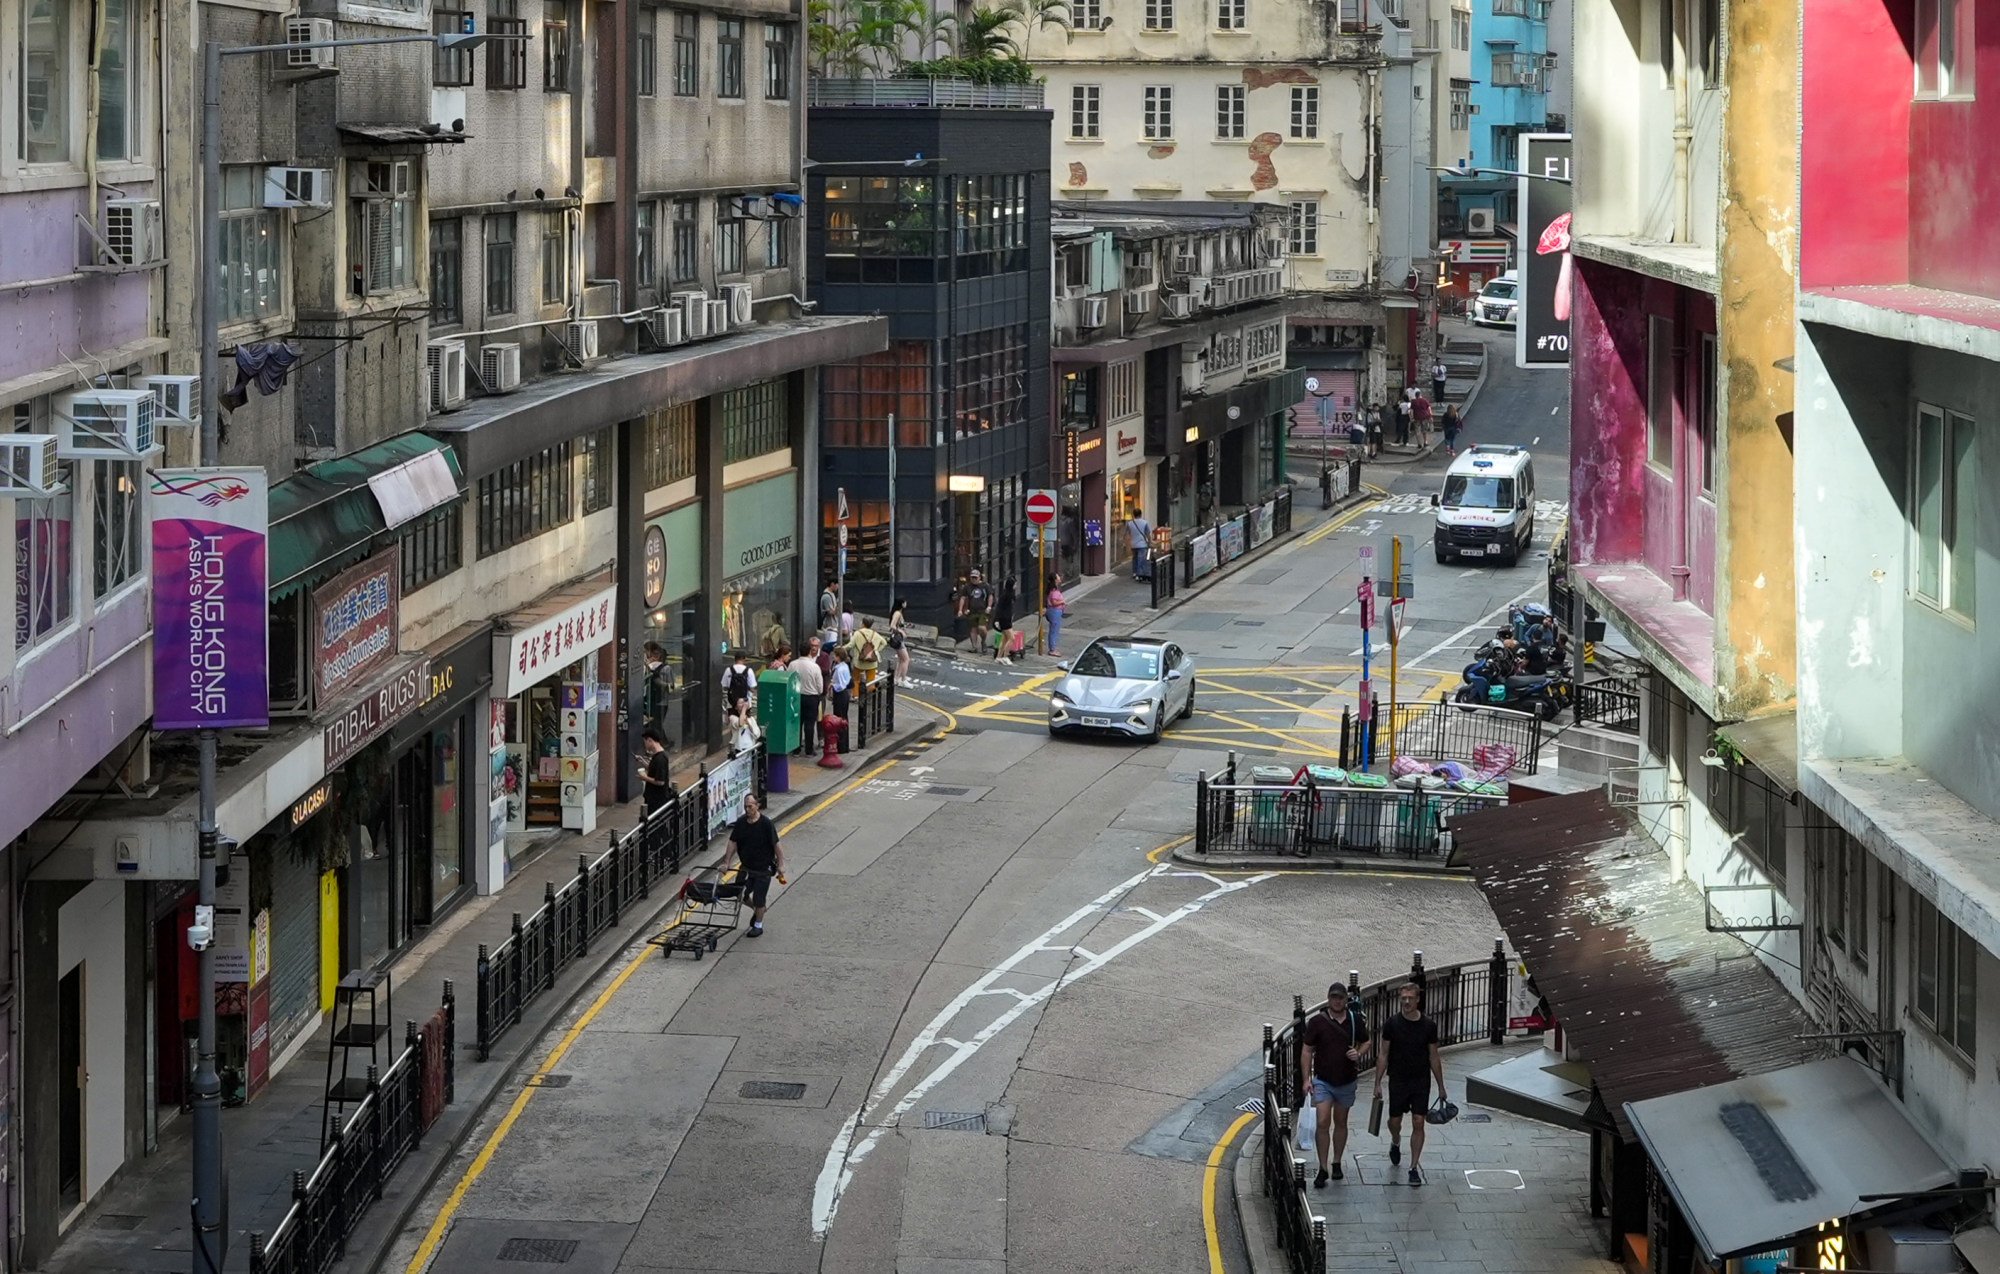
x,y
1651,1000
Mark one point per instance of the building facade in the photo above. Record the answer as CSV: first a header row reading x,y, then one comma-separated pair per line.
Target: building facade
x,y
936,216
1514,66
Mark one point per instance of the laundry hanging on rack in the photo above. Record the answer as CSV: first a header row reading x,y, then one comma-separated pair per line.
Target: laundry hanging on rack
x,y
265,364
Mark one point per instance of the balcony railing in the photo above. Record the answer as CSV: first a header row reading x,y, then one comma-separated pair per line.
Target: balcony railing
x,y
1242,286
914,92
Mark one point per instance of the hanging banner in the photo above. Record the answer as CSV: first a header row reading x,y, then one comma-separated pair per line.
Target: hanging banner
x,y
1541,321
728,784
211,604
354,624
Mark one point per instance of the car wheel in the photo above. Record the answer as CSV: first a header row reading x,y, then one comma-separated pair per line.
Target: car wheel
x,y
1442,559
1159,724
1511,556
1187,710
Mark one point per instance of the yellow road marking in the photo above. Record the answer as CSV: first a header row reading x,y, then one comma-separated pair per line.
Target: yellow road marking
x,y
1311,712
1208,1177
1325,529
1275,670
950,718
982,707
1155,855
1271,732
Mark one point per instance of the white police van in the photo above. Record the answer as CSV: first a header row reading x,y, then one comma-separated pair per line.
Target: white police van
x,y
1487,507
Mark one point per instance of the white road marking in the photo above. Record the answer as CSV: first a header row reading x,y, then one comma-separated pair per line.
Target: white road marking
x,y
845,1155
1484,621
922,769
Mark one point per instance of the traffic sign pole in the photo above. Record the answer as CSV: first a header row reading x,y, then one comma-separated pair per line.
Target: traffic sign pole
x,y
1040,508
1395,616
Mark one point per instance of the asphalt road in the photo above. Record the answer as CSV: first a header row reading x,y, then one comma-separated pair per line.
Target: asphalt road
x,y
992,1026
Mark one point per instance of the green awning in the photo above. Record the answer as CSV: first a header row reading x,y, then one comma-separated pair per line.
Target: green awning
x,y
325,517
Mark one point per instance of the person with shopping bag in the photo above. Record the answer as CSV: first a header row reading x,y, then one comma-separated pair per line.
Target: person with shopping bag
x,y
1335,1044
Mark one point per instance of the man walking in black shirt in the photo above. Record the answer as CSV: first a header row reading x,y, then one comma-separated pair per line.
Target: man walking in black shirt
x,y
655,772
1335,1044
1410,1058
753,842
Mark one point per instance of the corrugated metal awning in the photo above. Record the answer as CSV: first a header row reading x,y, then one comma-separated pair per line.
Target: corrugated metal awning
x,y
1649,999
326,516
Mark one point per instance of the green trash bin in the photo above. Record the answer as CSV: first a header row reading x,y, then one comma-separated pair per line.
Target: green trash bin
x,y
1329,802
1418,813
1367,812
1267,805
778,712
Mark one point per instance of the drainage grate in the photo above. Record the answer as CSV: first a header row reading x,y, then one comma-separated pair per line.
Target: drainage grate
x,y
1472,1117
548,1081
1249,623
120,1221
956,1120
938,789
1255,1106
540,1251
771,1090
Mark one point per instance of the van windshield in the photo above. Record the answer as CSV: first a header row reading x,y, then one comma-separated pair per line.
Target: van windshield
x,y
1472,491
1498,290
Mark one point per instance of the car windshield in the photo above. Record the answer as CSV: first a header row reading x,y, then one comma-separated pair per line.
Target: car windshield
x,y
1474,491
1118,661
1497,292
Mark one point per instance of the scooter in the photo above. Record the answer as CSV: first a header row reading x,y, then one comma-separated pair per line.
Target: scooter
x,y
1488,685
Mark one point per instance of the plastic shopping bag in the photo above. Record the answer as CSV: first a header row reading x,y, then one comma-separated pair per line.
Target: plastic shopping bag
x,y
1308,1126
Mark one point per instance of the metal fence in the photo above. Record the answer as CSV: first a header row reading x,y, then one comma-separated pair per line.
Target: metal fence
x,y
1610,704
1469,1004
514,974
1281,515
402,1104
873,711
1166,577
923,92
1488,740
1308,818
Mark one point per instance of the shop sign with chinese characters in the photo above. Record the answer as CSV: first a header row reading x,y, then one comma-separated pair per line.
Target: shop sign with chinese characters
x,y
545,646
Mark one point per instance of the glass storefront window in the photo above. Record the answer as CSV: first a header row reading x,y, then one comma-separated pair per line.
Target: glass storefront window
x,y
447,816
757,610
669,697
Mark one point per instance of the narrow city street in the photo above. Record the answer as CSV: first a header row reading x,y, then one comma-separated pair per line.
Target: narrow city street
x,y
993,1024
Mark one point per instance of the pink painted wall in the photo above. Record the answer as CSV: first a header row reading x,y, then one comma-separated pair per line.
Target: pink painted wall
x,y
1607,416
1855,180
1954,183
57,322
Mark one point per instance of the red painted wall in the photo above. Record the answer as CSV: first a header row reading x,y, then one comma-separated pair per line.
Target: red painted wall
x,y
1607,444
1954,181
1856,187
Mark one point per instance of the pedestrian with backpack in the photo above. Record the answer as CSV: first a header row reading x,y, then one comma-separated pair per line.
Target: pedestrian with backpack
x,y
739,687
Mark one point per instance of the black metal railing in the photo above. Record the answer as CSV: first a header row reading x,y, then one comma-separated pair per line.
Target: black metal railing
x,y
401,1105
1165,571
1469,1004
1610,704
873,711
1281,512
1487,741
1308,818
522,968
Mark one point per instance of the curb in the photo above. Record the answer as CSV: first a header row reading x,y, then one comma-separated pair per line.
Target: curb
x,y
368,1249
1253,1215
1330,864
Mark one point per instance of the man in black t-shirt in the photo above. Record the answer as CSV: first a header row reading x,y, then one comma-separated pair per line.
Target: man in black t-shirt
x,y
1409,1057
1334,1044
753,842
656,772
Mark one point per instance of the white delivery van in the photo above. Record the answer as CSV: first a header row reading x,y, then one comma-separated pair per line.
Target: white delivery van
x,y
1497,301
1487,507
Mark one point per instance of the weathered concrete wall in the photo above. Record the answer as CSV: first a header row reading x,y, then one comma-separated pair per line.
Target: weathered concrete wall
x,y
1607,458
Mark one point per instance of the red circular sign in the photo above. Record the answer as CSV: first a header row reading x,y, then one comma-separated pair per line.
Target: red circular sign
x,y
1041,508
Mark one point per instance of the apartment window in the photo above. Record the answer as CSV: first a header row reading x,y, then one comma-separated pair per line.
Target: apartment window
x,y
1517,70
597,462
648,235
555,258
1159,112
1303,239
729,57
447,270
114,503
1842,864
1461,30
500,263
728,238
1704,412
1159,15
1944,975
857,399
451,67
432,546
1752,811
1461,108
687,53
526,498
1660,371
555,47
1121,390
1232,15
647,54
383,228
1660,706
1305,112
778,61
1086,103
684,260
778,242
670,448
47,64
252,263
1944,503
1708,46
919,537
119,107
1086,15
1229,111
507,51
1944,48
753,421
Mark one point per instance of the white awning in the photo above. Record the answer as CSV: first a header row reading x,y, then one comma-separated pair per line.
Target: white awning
x,y
414,487
1755,1161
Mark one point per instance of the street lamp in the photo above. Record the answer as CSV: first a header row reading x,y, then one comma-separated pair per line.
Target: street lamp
x,y
1467,170
211,1243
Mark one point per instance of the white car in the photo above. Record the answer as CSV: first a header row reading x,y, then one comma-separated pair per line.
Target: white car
x,y
1497,302
1124,685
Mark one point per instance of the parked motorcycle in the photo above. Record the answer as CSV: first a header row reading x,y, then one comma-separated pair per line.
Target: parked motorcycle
x,y
1497,683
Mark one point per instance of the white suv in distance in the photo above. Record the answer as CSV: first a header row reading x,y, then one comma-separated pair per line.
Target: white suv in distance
x,y
1496,302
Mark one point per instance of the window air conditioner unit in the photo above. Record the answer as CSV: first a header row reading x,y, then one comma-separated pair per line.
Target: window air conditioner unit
x,y
298,187
1193,377
1137,303
718,317
1548,61
1180,305
668,326
104,424
1200,287
1186,262
29,467
131,232
1090,311
740,298
694,314
582,339
174,397
1479,221
500,366
752,207
446,361
308,31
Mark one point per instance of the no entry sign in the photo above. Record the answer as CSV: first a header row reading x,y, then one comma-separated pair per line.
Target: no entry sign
x,y
1041,507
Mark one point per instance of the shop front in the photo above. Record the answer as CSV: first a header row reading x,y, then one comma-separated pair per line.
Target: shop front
x,y
760,546
1078,535
1129,481
437,786
671,664
551,718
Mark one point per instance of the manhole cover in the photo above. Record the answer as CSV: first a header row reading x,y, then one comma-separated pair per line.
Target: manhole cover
x,y
956,1120
771,1090
938,789
1468,1117
548,1081
120,1221
541,1251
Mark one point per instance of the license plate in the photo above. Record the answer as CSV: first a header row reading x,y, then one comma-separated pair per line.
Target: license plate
x,y
1097,720
1493,550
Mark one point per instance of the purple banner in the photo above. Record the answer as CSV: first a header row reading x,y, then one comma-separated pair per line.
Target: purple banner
x,y
211,603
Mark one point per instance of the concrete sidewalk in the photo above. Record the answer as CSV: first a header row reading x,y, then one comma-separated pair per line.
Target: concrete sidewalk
x,y
1501,1195
141,1222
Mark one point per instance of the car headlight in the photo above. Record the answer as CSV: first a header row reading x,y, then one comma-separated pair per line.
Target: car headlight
x,y
1143,707
1060,700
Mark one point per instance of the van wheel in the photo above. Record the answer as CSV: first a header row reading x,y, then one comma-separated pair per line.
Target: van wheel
x,y
1512,556
1440,555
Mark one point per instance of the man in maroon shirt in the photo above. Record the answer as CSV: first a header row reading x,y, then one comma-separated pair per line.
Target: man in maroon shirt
x,y
1335,1043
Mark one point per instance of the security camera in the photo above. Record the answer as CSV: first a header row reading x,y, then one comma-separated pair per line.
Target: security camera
x,y
201,933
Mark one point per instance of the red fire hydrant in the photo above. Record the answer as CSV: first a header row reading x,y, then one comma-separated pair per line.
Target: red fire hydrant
x,y
830,729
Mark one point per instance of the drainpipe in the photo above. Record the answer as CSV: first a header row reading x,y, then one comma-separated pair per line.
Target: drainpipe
x,y
1683,138
95,105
